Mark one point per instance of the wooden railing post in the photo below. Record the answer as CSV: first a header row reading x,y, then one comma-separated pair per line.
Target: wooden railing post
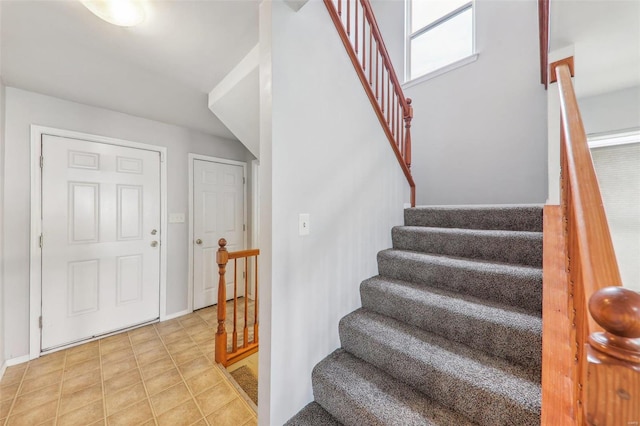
x,y
408,116
613,359
222,257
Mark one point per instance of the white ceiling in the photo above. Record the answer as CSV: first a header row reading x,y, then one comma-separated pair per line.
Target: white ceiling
x,y
162,69
605,35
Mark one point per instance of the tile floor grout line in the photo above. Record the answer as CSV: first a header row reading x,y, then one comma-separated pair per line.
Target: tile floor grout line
x,y
180,372
15,397
64,366
144,385
189,326
227,374
243,395
104,394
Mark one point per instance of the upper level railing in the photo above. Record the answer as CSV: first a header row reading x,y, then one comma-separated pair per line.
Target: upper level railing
x,y
358,29
241,318
543,32
604,316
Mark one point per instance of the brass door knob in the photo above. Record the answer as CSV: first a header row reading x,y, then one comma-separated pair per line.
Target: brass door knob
x,y
199,241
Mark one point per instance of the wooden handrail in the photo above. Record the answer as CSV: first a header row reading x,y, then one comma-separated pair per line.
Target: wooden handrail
x,y
363,45
604,317
223,355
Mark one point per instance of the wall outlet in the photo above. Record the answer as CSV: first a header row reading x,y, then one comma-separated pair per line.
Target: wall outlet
x,y
176,218
303,224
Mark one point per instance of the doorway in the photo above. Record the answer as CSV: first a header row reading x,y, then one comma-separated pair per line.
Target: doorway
x,y
98,220
217,210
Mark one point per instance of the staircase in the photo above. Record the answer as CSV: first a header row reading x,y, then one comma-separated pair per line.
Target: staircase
x,y
449,332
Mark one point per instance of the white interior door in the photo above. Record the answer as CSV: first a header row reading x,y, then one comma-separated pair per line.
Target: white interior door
x,y
218,212
101,239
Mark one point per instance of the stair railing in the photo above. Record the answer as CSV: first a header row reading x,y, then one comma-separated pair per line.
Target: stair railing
x,y
605,317
360,34
225,355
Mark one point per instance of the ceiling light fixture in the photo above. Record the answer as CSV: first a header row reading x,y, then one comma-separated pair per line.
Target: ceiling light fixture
x,y
123,13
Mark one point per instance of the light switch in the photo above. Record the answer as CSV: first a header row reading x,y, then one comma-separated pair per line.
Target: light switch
x,y
303,224
176,218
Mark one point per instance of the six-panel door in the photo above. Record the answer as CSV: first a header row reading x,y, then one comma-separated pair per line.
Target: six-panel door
x,y
218,212
101,239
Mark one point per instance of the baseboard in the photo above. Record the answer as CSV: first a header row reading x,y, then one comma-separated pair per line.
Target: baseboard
x,y
176,315
3,369
19,360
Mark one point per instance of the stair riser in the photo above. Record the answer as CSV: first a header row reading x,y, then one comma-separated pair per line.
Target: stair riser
x,y
480,405
508,247
312,415
339,403
508,218
356,393
521,287
518,345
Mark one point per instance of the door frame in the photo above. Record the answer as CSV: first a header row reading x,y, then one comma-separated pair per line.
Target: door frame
x,y
35,252
191,158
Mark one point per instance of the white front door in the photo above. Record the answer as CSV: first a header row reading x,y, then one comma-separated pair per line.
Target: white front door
x,y
218,212
101,239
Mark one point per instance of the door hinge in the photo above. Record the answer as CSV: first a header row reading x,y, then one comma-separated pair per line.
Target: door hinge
x,y
40,240
41,161
40,322
244,227
244,180
244,275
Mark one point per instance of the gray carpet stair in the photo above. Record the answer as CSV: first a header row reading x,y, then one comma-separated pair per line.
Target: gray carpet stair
x,y
500,330
449,332
365,395
514,285
503,217
517,247
486,390
313,415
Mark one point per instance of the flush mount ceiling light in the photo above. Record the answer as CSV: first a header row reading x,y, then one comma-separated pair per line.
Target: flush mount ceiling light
x,y
123,13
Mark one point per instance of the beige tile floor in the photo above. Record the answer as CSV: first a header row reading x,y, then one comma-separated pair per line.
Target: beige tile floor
x,y
160,374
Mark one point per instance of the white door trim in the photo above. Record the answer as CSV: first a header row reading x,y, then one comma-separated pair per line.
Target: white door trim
x,y
255,224
35,253
191,158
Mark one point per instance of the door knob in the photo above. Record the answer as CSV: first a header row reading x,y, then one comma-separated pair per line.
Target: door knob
x,y
198,241
154,243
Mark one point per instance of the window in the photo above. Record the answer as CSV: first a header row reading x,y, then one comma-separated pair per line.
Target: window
x,y
439,33
616,158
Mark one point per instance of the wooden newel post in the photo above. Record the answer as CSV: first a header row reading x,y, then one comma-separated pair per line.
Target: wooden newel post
x,y
222,257
407,135
613,372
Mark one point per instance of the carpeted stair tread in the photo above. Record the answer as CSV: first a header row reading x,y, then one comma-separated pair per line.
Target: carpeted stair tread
x,y
514,285
357,393
499,330
505,217
517,247
485,389
312,415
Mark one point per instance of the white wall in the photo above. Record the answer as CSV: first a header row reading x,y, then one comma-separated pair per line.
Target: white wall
x,y
2,127
610,112
25,108
329,158
2,311
479,132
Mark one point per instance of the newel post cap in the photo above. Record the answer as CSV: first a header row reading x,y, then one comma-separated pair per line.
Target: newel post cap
x,y
222,256
617,311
